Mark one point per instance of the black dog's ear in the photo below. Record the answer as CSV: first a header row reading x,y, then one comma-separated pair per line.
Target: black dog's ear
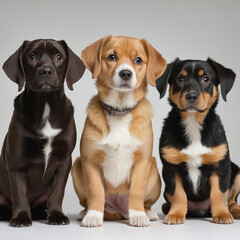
x,y
162,82
75,68
14,69
226,78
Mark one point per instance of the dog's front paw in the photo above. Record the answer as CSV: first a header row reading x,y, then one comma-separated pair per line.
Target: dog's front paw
x,y
138,219
92,219
225,218
57,218
174,219
22,220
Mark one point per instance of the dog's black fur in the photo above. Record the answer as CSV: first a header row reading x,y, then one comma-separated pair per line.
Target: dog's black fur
x,y
30,186
212,132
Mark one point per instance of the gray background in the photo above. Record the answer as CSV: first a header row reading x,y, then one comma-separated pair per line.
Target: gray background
x,y
187,29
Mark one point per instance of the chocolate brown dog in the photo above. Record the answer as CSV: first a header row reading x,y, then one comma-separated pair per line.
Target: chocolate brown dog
x,y
36,154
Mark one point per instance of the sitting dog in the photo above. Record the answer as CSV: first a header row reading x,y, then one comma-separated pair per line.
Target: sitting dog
x,y
199,176
36,154
116,176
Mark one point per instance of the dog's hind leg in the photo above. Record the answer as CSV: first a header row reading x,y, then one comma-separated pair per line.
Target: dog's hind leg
x,y
234,208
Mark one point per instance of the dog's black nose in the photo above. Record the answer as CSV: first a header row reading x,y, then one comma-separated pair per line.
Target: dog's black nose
x,y
46,71
125,74
192,97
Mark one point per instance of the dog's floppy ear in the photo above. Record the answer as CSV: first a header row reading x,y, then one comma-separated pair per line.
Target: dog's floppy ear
x,y
226,78
75,67
162,82
156,63
92,54
14,69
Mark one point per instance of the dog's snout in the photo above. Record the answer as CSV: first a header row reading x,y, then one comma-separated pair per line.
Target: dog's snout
x,y
192,97
125,74
46,71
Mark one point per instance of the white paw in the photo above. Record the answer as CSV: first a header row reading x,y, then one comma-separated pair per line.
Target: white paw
x,y
152,216
92,219
81,215
138,218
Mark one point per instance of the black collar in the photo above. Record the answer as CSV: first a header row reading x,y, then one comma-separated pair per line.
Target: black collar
x,y
115,111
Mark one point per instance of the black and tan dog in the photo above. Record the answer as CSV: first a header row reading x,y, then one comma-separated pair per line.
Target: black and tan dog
x,y
36,154
199,176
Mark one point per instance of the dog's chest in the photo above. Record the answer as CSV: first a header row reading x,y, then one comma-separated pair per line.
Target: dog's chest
x,y
194,150
48,133
118,147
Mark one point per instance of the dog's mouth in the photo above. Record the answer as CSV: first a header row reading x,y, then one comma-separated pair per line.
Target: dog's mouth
x,y
191,109
124,87
45,87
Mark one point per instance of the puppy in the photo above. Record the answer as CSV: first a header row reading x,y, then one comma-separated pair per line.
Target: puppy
x,y
36,154
199,176
116,176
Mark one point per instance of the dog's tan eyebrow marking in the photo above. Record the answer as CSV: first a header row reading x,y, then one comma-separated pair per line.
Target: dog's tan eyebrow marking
x,y
200,72
184,73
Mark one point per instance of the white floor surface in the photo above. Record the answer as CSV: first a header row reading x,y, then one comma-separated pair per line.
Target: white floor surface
x,y
194,229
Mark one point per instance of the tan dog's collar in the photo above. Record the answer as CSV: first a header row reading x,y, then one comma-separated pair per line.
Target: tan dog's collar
x,y
115,111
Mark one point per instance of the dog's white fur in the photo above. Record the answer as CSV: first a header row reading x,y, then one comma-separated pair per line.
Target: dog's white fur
x,y
118,81
118,146
47,132
194,150
93,218
138,218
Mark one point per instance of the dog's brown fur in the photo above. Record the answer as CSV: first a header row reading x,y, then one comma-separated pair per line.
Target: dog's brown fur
x,y
89,182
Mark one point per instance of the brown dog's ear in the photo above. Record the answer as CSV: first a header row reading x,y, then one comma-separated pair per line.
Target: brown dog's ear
x,y
156,63
226,78
162,82
75,68
92,54
14,69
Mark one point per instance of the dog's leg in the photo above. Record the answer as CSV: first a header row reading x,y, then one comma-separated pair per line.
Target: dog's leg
x,y
54,207
219,202
21,216
178,200
232,203
138,181
152,192
79,186
95,192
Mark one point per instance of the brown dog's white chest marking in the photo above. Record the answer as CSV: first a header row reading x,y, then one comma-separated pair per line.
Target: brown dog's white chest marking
x,y
118,147
48,133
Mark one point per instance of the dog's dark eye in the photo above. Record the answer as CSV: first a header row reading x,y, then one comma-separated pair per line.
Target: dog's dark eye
x,y
112,57
59,57
205,79
180,79
32,57
138,61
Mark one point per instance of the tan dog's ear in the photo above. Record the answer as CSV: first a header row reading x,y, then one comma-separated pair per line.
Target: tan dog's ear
x,y
156,63
91,56
14,69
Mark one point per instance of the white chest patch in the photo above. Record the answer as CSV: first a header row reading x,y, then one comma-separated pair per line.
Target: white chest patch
x,y
194,150
118,146
48,133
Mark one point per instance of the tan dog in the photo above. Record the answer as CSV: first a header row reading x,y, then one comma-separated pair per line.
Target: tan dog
x,y
116,176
